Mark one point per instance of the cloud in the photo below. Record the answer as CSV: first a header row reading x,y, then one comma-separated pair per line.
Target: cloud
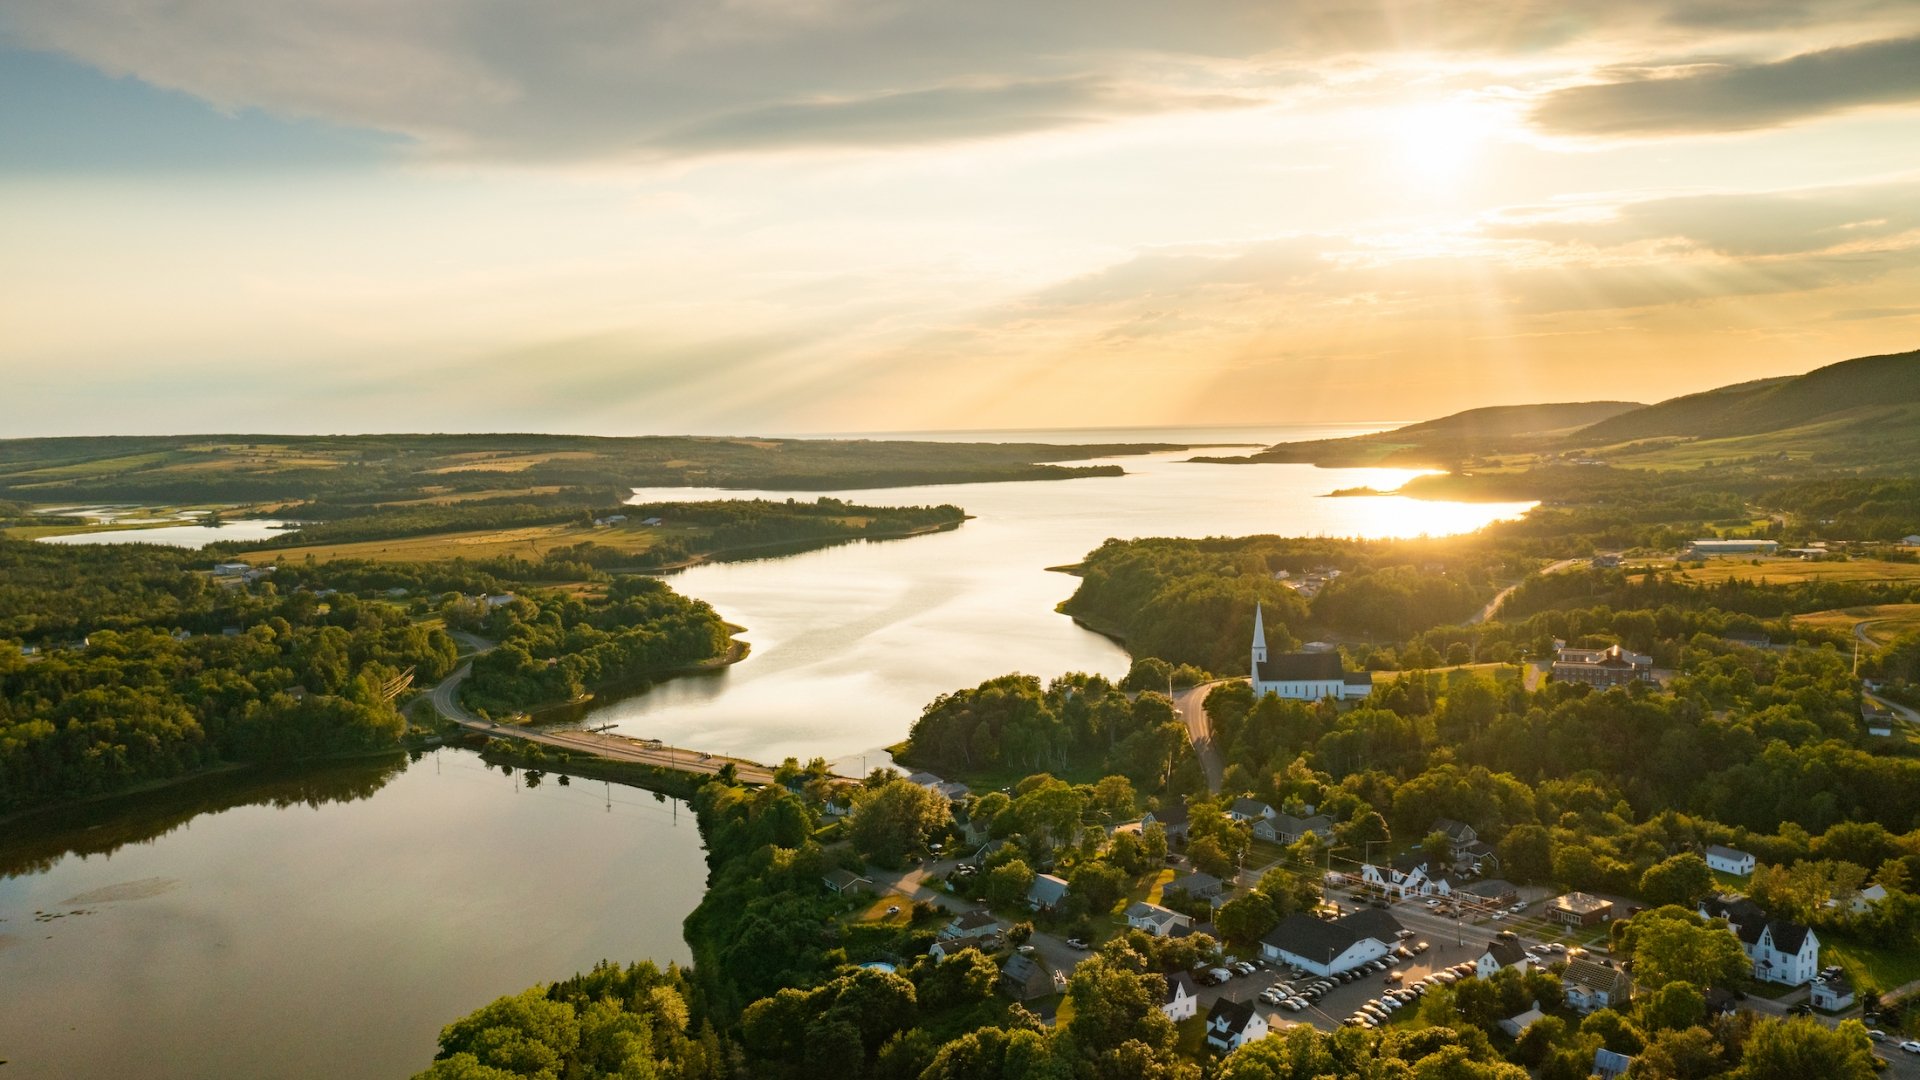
x,y
1738,223
1739,96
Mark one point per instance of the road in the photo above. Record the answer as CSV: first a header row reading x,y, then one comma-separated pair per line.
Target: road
x,y
446,700
1500,597
1192,703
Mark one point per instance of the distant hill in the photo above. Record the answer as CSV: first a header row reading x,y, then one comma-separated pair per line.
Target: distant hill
x,y
1770,405
1450,439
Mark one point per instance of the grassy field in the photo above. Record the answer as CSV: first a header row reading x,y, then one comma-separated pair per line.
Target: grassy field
x,y
532,542
1884,621
1871,965
1787,571
1497,672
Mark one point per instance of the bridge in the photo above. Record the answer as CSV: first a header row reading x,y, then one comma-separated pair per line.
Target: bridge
x,y
601,743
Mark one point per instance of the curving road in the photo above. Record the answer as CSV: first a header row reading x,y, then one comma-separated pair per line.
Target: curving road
x,y
446,700
1192,703
1500,597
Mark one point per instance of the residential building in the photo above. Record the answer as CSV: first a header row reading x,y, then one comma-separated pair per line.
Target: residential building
x,y
1183,997
1196,885
1782,952
1173,819
1046,892
1729,860
1493,892
846,881
1579,909
1233,1024
1328,947
1595,984
1154,919
970,923
946,947
1287,829
1911,541
1024,978
1406,876
1500,953
1611,666
1251,810
1459,833
1516,1026
1303,676
231,569
1610,1065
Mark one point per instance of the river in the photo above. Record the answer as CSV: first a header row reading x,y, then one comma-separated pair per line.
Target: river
x,y
850,643
321,921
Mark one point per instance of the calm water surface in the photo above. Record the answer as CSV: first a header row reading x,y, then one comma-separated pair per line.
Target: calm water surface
x,y
850,643
320,923
239,530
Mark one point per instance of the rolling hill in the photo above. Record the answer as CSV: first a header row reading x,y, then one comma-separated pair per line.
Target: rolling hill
x,y
1770,405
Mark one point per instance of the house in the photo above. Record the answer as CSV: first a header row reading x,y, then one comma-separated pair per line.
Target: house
x,y
1782,952
1833,993
1326,948
1183,997
947,947
1303,676
1173,819
952,790
1911,541
1154,919
846,881
653,522
1491,893
1023,978
1595,984
1516,1026
230,569
1864,900
970,924
499,600
1196,885
1458,833
1287,829
1610,1065
1720,1001
1251,810
1579,909
1611,666
1046,893
1500,953
1708,549
1606,560
1729,860
1405,877
924,779
1233,1024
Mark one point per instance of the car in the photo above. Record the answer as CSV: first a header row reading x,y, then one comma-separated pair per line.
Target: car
x,y
1243,967
1497,916
1403,934
1558,946
1394,976
1025,950
1354,1021
1876,1035
1295,1005
1446,978
1519,907
1910,1046
1575,950
1507,934
1433,903
1078,943
1269,997
1420,947
1221,974
1802,1009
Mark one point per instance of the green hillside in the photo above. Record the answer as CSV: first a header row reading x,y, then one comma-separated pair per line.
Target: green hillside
x,y
1451,439
1770,405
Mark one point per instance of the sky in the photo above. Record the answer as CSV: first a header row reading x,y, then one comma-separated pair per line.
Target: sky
x,y
792,216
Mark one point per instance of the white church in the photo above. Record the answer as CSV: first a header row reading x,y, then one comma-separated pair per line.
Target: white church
x,y
1303,676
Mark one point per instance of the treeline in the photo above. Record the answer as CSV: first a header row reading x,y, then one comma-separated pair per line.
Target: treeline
x,y
1077,720
143,704
553,647
1192,601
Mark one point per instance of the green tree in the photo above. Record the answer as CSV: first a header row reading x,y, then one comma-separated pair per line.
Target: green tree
x,y
1671,944
1007,884
1801,1047
1683,879
1244,920
1526,854
895,820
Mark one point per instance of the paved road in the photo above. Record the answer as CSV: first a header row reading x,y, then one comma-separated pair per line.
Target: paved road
x,y
446,700
1192,703
1500,597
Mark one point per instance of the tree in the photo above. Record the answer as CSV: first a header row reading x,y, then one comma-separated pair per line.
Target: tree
x,y
1684,880
1207,856
1803,1047
897,819
1007,884
1113,796
1526,854
1115,1002
1437,849
1672,1007
1672,944
1098,886
1691,1054
1246,919
524,1035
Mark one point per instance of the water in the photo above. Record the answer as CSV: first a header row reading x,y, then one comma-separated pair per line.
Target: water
x,y
850,643
239,530
321,922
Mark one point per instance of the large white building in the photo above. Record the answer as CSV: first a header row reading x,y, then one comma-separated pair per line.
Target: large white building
x,y
1304,676
1328,948
1782,952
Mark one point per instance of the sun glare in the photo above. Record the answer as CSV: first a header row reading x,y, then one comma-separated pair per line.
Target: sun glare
x,y
1441,142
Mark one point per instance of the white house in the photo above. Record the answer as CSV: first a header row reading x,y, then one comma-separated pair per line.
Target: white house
x,y
1327,948
947,947
1183,998
1782,952
1729,860
1911,541
1233,1024
1832,993
1251,810
1154,919
1303,676
1516,1026
1406,877
1500,953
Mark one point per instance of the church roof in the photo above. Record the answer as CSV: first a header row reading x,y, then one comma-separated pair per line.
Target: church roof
x,y
1300,667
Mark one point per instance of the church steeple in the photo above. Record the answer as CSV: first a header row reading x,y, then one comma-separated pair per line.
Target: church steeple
x,y
1259,637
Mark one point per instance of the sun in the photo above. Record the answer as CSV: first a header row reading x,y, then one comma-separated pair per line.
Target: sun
x,y
1441,142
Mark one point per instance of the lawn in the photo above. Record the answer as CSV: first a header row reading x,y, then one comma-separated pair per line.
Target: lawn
x,y
1780,571
1193,1037
531,542
1884,622
1497,672
1871,965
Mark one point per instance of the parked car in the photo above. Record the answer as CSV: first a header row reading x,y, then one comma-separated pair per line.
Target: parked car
x,y
1394,976
1421,947
893,909
1078,943
1876,1035
1910,1046
1241,967
1025,950
1518,908
1220,975
1404,934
